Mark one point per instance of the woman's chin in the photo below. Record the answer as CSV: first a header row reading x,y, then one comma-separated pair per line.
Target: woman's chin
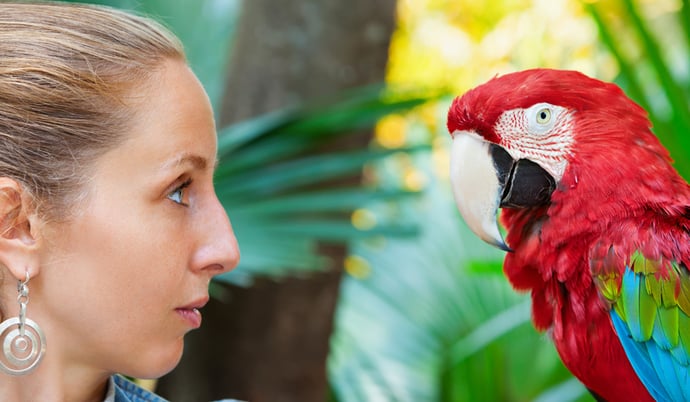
x,y
158,364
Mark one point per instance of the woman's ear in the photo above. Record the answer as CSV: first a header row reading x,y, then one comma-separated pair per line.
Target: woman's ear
x,y
18,221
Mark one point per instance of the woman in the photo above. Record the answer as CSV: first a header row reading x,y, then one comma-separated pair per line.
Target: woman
x,y
110,229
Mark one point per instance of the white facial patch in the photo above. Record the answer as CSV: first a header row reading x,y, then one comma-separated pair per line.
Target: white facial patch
x,y
541,133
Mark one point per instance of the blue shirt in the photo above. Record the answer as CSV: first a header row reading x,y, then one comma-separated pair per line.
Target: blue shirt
x,y
121,389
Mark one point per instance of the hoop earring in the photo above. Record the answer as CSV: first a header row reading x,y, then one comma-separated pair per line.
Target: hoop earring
x,y
23,341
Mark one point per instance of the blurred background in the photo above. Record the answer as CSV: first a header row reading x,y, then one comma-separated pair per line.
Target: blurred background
x,y
359,281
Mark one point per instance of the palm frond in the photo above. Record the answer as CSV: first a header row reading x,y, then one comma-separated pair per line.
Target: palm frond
x,y
647,74
280,197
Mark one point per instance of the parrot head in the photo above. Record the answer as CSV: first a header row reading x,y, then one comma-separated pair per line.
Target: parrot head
x,y
516,137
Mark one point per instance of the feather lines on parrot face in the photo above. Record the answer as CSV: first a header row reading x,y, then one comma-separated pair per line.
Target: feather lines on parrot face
x,y
526,135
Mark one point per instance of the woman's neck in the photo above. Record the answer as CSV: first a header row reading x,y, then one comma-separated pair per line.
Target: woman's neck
x,y
52,381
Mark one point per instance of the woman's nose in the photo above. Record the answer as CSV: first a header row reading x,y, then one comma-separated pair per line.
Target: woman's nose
x,y
218,251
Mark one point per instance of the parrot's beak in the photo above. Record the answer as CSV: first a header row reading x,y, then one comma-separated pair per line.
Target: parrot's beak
x,y
485,177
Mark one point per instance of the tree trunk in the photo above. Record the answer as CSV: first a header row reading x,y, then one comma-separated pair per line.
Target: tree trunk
x,y
271,341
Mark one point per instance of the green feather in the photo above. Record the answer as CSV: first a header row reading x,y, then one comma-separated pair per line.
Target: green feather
x,y
682,351
639,306
670,288
666,328
654,302
684,296
648,312
654,288
609,287
620,309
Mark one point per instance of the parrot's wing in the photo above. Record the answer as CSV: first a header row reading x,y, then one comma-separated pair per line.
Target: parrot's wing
x,y
650,312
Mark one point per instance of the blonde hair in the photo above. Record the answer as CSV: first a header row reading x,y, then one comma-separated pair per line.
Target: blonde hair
x,y
65,72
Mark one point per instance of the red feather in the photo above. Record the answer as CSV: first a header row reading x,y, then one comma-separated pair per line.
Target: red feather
x,y
619,187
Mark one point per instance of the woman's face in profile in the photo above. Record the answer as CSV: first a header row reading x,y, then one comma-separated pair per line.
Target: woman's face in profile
x,y
122,282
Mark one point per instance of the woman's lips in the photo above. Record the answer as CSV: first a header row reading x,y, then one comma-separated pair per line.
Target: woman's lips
x,y
191,315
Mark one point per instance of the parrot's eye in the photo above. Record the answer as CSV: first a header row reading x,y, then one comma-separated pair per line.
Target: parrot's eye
x,y
544,116
541,118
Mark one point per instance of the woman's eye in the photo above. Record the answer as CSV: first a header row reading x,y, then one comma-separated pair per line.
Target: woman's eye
x,y
179,194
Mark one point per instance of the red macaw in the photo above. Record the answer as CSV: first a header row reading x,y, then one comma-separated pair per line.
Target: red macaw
x,y
597,222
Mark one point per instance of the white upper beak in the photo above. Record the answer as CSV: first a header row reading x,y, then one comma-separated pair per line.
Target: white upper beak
x,y
476,186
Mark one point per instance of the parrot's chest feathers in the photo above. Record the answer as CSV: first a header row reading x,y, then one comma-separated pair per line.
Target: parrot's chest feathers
x,y
565,302
556,272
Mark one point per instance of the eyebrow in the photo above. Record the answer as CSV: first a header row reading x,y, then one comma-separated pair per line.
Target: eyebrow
x,y
196,161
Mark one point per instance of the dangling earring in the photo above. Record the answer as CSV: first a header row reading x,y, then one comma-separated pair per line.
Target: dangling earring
x,y
23,342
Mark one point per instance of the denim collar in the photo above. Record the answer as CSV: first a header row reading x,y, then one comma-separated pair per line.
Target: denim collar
x,y
121,389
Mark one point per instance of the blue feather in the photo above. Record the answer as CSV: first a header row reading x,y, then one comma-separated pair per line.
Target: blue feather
x,y
639,358
680,354
635,307
666,370
666,377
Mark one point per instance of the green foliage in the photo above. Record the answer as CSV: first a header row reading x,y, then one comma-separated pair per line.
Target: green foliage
x,y
651,69
424,326
277,197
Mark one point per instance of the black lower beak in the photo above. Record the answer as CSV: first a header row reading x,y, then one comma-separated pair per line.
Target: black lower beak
x,y
525,184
